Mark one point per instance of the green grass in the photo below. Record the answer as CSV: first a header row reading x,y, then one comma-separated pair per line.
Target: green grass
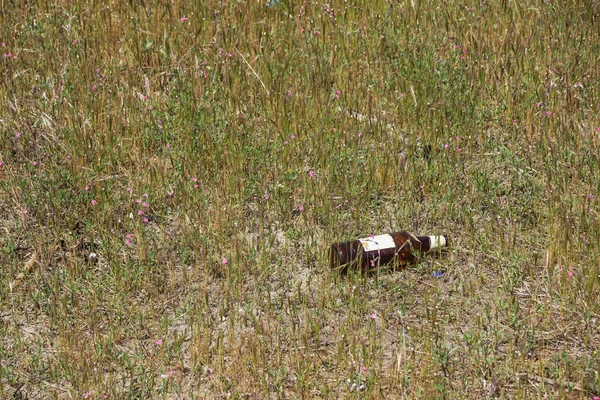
x,y
479,120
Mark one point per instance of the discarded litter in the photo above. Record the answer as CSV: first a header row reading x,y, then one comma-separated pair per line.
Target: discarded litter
x,y
397,248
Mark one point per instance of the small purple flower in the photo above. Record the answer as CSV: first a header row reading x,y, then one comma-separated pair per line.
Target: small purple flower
x,y
184,20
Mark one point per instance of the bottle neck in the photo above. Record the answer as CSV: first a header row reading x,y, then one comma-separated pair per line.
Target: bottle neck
x,y
433,243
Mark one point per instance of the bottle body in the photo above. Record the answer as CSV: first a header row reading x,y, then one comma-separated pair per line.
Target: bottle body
x,y
367,254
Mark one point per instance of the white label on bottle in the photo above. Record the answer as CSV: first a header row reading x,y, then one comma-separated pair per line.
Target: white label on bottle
x,y
379,242
437,242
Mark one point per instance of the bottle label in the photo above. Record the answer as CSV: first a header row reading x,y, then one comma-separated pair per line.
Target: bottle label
x,y
437,242
377,243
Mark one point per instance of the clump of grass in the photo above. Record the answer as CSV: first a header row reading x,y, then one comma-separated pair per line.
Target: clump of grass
x,y
180,172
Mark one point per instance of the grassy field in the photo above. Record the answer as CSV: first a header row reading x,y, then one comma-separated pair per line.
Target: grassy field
x,y
172,175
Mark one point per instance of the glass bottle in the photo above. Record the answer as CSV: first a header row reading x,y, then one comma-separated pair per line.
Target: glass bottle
x,y
371,252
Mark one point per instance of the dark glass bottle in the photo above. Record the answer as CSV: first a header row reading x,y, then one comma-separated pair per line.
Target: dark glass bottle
x,y
371,252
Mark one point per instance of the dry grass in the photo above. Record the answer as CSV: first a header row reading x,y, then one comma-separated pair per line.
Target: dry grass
x,y
155,158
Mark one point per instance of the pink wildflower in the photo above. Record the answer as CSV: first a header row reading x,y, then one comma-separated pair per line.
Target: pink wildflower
x,y
145,220
184,20
312,173
300,208
128,190
86,188
94,202
18,134
224,261
548,113
158,342
446,145
140,212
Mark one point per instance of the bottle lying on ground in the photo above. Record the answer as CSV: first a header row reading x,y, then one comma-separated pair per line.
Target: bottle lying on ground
x,y
398,249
